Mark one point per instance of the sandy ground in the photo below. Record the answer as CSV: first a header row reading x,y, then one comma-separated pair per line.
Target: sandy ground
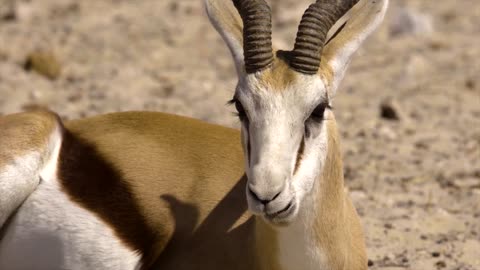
x,y
415,180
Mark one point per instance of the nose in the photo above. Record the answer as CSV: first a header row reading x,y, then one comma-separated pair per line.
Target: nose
x,y
265,196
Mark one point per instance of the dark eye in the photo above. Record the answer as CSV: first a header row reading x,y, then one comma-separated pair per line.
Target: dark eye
x,y
241,111
319,111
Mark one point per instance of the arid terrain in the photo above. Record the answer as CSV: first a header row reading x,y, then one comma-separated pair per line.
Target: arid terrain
x,y
408,109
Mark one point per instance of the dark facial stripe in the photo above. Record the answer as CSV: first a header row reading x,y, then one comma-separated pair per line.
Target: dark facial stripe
x,y
301,148
249,147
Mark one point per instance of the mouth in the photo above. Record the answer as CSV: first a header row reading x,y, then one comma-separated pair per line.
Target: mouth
x,y
282,215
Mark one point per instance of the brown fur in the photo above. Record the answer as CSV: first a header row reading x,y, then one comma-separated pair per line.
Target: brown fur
x,y
25,132
168,185
338,231
278,76
173,188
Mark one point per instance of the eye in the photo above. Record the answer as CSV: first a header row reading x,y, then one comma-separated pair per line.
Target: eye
x,y
239,107
319,111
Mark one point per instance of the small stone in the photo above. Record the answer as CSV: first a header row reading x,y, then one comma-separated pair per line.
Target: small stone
x,y
470,84
440,264
7,11
370,263
435,254
389,110
44,63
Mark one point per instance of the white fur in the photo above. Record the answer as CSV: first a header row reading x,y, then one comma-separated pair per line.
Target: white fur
x,y
369,15
49,169
17,180
277,120
234,41
297,248
276,129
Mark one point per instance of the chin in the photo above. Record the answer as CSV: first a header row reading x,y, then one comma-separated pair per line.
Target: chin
x,y
283,219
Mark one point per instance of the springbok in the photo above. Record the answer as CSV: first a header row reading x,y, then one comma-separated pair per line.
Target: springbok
x,y
146,190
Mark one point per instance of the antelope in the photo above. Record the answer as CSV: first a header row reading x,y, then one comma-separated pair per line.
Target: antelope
x,y
149,190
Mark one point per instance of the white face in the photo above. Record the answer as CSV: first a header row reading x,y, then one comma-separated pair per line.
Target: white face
x,y
284,137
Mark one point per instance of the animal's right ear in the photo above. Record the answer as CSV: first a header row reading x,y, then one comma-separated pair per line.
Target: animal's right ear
x,y
226,19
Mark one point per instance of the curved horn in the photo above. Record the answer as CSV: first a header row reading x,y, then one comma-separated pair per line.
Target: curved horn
x,y
312,33
257,33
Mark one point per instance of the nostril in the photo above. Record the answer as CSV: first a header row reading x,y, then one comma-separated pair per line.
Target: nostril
x,y
263,201
255,196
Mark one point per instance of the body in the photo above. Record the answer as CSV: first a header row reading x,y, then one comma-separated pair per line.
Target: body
x,y
159,216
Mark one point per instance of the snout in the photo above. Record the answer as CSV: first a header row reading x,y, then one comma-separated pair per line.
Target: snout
x,y
274,202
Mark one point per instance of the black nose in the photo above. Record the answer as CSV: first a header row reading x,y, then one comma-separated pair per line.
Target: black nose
x,y
260,199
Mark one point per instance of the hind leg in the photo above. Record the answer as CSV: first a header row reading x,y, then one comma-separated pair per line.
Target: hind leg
x,y
28,142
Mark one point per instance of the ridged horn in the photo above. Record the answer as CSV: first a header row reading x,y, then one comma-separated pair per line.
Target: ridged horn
x,y
257,33
312,33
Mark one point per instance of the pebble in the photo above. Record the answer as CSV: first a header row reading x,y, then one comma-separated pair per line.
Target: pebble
x,y
389,109
410,22
44,63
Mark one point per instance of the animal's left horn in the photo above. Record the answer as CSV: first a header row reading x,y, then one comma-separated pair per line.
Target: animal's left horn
x,y
312,33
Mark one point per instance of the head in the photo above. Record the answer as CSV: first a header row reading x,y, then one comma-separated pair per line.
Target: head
x,y
284,98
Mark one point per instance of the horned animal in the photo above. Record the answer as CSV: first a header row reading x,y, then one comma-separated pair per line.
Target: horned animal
x,y
149,190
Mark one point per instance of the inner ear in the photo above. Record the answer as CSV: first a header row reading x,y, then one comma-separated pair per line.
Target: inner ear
x,y
226,20
336,32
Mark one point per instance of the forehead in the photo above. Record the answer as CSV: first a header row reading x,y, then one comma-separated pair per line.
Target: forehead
x,y
280,85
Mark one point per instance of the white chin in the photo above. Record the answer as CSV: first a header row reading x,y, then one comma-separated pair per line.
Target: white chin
x,y
284,218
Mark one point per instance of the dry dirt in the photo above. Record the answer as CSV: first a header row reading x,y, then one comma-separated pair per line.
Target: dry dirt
x,y
415,180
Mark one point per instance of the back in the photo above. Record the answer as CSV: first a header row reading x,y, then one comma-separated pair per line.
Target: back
x,y
169,206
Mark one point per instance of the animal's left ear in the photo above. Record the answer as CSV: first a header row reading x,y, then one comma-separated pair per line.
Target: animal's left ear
x,y
246,27
342,42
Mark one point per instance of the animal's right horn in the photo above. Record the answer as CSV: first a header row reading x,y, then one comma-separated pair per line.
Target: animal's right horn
x,y
257,33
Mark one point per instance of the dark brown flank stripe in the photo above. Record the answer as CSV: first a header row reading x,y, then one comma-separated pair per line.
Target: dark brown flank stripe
x,y
97,186
299,155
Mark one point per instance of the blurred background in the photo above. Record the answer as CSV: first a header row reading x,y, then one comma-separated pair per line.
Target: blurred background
x,y
408,109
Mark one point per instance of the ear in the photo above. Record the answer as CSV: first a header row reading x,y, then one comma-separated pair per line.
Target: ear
x,y
229,25
347,36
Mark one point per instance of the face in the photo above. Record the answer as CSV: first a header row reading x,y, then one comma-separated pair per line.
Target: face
x,y
284,139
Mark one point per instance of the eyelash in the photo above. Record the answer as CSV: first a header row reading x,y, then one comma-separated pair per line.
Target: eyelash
x,y
239,107
242,115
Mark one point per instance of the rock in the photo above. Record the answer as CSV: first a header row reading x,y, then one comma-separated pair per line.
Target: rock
x,y
435,254
389,109
7,12
11,10
44,63
470,84
409,22
440,264
387,133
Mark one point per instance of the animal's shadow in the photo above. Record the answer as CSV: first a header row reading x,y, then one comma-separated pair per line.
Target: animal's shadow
x,y
213,244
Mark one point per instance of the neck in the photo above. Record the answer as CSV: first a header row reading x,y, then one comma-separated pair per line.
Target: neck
x,y
313,238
